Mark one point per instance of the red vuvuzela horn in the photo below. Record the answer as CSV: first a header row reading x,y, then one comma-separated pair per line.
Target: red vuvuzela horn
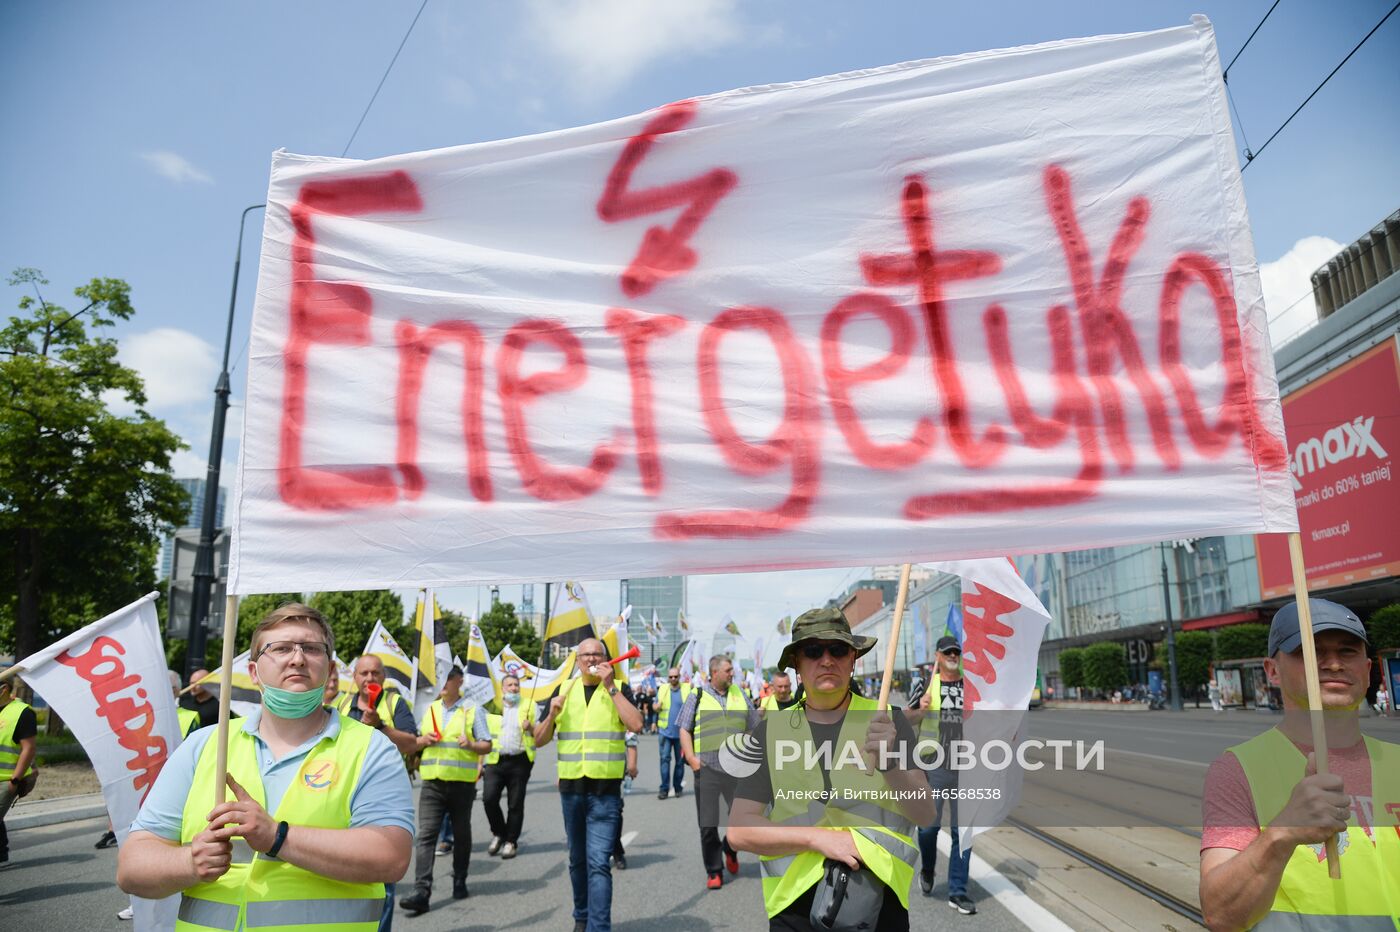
x,y
372,691
632,652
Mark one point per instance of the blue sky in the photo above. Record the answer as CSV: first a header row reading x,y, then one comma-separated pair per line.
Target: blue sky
x,y
135,134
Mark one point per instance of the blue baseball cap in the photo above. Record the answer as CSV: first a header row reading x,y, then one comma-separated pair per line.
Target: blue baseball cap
x,y
1326,616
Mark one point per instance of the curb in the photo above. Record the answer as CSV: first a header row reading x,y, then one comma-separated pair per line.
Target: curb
x,y
56,811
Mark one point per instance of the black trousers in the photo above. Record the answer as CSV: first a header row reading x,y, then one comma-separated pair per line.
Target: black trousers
x,y
714,794
512,774
453,798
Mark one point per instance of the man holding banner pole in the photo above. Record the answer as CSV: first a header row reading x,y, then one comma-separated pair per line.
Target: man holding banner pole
x,y
317,814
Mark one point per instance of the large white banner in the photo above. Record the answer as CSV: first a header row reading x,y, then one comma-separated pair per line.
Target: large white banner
x,y
1000,302
110,684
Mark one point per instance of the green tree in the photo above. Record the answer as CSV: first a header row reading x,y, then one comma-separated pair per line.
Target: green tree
x,y
1194,652
1072,667
352,615
500,626
1105,666
84,491
1238,642
1384,628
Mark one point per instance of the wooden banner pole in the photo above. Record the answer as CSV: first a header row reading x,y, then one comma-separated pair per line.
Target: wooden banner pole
x,y
12,670
894,636
1315,714
225,694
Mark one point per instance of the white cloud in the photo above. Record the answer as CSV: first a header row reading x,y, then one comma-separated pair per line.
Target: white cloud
x,y
179,368
175,167
600,44
1287,284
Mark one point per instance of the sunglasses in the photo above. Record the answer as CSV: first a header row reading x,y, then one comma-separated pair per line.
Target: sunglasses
x,y
951,652
837,650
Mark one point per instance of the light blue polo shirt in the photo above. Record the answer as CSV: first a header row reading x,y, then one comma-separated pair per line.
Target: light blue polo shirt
x,y
382,796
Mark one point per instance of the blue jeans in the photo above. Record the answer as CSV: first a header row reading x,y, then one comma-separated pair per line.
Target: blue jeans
x,y
386,918
958,860
445,833
591,823
671,776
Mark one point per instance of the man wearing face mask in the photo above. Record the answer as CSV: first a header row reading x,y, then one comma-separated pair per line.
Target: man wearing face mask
x,y
318,813
508,767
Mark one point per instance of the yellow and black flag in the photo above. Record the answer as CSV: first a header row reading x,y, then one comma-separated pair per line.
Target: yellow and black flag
x,y
434,656
571,622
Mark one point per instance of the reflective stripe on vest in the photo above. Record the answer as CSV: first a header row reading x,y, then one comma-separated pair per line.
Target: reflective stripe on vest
x,y
447,760
495,723
271,895
1368,894
882,834
591,736
714,723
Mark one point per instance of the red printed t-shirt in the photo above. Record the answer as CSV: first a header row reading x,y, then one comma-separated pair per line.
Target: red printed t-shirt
x,y
1228,806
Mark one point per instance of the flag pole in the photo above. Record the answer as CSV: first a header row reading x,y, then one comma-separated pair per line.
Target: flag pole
x,y
225,694
893,645
1316,715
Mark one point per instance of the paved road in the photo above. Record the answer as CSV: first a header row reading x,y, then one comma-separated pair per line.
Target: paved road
x,y
59,882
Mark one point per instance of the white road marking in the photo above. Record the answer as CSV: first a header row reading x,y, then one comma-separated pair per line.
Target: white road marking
x,y
627,838
1024,909
1163,757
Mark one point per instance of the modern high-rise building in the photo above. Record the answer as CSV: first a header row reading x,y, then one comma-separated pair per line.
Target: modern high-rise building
x,y
195,489
664,595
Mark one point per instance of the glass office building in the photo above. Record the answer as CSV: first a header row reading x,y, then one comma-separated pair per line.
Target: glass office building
x,y
664,595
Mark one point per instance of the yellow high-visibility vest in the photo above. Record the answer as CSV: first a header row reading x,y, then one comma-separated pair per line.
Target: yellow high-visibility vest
x,y
883,835
714,723
189,721
665,704
527,735
9,747
446,760
270,895
1368,895
592,739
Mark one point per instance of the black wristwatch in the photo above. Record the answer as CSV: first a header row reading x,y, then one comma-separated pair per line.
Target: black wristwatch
x,y
612,691
278,842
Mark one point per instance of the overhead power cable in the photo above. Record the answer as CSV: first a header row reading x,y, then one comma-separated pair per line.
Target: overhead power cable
x,y
1251,156
384,78
1226,74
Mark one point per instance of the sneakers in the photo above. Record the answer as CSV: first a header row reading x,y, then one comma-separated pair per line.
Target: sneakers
x,y
508,851
108,840
963,904
731,862
620,862
715,882
662,795
926,883
125,913
415,903
445,847
459,888
495,846
678,791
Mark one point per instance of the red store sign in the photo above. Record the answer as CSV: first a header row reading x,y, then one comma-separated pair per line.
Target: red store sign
x,y
1343,430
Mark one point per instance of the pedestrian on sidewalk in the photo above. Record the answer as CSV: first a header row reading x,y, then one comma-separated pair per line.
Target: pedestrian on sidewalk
x,y
712,714
1268,812
18,745
457,736
508,768
670,700
592,718
322,800
1213,691
943,703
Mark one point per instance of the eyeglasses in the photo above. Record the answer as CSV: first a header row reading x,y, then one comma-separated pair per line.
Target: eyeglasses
x,y
593,653
282,650
815,651
673,677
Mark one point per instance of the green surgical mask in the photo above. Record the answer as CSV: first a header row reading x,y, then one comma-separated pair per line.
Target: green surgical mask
x,y
284,703
511,698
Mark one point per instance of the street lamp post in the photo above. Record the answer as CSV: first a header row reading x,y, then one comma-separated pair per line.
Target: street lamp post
x,y
1175,685
204,556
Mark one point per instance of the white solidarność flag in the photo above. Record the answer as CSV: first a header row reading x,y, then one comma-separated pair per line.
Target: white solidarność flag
x,y
1003,624
110,684
1009,300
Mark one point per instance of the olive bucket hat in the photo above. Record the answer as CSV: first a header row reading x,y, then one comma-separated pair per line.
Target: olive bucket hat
x,y
823,624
